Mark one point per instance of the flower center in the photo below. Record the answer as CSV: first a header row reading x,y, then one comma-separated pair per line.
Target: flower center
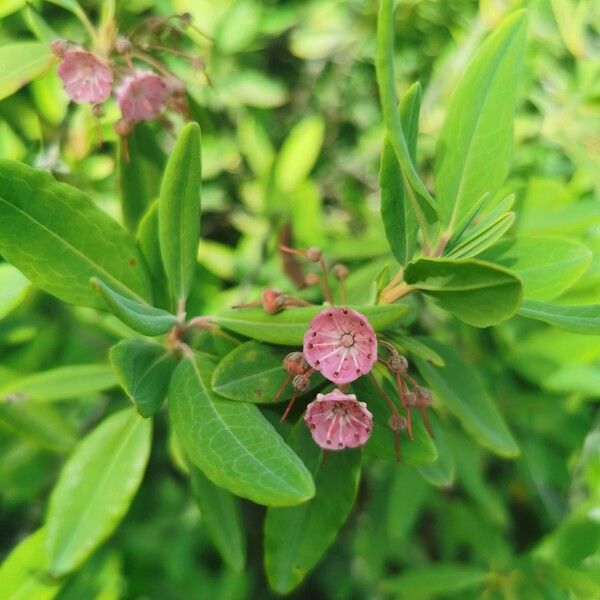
x,y
347,340
339,409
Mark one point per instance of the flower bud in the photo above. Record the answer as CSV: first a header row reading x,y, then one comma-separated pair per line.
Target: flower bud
x,y
59,47
409,399
185,19
397,363
311,279
97,110
123,127
122,45
295,363
313,254
397,422
273,301
301,383
340,271
424,397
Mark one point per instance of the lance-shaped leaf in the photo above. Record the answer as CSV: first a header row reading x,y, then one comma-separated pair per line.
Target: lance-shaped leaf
x,y
95,488
297,537
59,239
144,369
231,442
482,238
397,212
179,212
441,472
20,62
22,574
144,318
475,143
547,266
222,517
253,372
457,386
61,383
386,80
135,197
580,319
287,328
479,293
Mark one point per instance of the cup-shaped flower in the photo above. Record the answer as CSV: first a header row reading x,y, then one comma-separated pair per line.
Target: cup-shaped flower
x,y
85,76
337,421
341,344
142,96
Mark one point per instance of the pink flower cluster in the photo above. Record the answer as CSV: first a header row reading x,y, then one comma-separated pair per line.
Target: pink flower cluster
x,y
141,94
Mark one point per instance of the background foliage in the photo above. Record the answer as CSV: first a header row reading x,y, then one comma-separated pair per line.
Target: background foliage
x,y
292,133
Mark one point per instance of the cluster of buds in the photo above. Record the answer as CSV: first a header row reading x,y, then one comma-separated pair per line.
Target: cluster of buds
x,y
126,68
342,346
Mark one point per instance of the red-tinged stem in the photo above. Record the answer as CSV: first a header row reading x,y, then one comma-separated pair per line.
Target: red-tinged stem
x,y
401,389
289,407
394,410
283,386
326,286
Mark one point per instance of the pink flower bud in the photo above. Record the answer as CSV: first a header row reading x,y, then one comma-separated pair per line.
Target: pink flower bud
x,y
424,398
313,254
273,301
341,344
295,363
59,47
337,420
123,45
301,383
142,96
397,363
311,279
397,422
123,127
340,271
85,76
409,399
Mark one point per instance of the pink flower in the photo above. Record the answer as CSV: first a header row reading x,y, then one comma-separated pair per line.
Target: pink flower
x,y
337,420
341,344
142,96
86,77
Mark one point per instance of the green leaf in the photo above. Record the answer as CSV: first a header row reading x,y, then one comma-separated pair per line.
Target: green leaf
x,y
222,517
144,369
441,578
13,288
232,443
441,472
95,488
480,239
22,575
397,213
142,317
580,319
20,62
179,211
478,293
458,386
297,537
61,383
299,153
381,444
253,372
54,234
386,81
287,328
412,345
132,181
39,424
547,266
475,143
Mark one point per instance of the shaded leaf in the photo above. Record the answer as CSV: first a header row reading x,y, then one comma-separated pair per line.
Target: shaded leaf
x,y
20,62
313,525
144,369
579,319
13,288
457,385
222,517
